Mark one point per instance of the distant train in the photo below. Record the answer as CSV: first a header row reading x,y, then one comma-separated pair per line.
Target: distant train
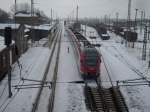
x,y
102,31
130,36
88,57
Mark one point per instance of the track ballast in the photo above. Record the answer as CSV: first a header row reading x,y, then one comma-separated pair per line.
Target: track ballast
x,y
100,99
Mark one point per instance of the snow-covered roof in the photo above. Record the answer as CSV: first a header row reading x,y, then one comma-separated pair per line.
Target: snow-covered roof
x,y
24,15
13,26
26,36
104,35
40,27
2,46
26,30
43,27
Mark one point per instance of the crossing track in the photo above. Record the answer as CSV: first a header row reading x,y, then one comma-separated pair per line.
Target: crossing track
x,y
134,69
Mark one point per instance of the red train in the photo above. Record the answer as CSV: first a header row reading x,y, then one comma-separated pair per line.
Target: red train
x,y
88,57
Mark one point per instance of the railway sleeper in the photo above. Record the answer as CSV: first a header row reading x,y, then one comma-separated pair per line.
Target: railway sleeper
x,y
107,94
119,100
89,99
108,100
113,99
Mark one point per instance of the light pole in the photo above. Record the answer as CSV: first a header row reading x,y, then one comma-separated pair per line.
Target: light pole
x,y
51,16
141,21
109,21
117,16
77,13
15,6
135,27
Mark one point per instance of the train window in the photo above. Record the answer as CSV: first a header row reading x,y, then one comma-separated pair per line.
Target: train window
x,y
91,61
91,57
90,53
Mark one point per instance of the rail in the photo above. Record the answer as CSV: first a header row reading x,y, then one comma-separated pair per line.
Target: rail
x,y
52,96
35,105
104,99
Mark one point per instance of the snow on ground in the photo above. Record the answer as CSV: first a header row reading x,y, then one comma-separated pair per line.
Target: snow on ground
x,y
121,61
41,27
33,64
69,96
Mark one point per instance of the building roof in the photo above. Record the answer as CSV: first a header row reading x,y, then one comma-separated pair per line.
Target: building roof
x,y
24,15
40,27
13,26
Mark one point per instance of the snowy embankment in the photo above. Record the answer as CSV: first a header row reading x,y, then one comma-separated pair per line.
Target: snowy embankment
x,y
121,61
33,64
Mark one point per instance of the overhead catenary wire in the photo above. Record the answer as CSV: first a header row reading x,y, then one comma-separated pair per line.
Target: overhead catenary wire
x,y
5,103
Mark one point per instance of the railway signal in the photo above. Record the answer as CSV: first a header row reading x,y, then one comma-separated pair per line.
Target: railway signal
x,y
8,37
8,41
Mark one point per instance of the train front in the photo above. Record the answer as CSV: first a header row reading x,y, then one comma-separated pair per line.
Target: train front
x,y
90,63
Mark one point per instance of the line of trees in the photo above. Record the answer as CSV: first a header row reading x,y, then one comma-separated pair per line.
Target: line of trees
x,y
25,8
4,16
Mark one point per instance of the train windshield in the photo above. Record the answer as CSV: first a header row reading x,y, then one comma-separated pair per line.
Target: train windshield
x,y
91,57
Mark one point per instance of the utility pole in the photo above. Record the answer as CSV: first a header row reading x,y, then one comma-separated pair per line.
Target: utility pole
x,y
117,16
144,17
105,19
32,26
72,15
51,16
144,43
141,22
128,21
32,8
15,6
77,13
149,32
129,15
8,41
135,26
85,30
109,22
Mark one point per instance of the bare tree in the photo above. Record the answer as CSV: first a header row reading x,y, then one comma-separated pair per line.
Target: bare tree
x,y
4,16
21,7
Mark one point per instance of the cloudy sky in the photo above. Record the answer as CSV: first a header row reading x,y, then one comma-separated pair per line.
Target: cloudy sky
x,y
87,8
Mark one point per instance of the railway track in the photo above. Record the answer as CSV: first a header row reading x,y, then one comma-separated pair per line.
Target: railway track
x,y
100,99
134,69
38,97
7,102
104,99
52,96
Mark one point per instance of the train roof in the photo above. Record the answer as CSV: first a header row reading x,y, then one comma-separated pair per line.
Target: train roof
x,y
90,51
